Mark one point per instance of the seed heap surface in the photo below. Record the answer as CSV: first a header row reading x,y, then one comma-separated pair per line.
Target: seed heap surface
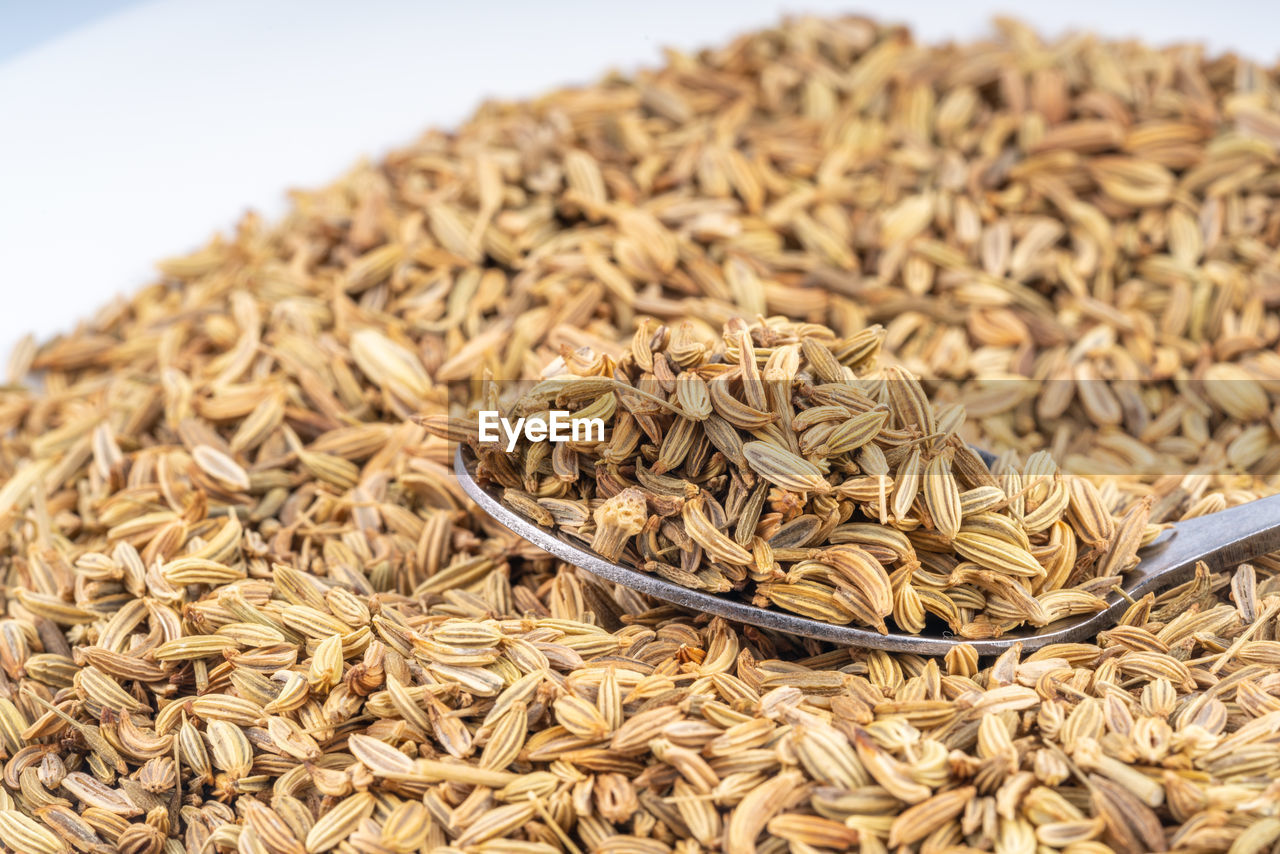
x,y
246,608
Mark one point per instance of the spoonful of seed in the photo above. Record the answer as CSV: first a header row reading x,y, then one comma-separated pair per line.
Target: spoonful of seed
x,y
1224,539
779,477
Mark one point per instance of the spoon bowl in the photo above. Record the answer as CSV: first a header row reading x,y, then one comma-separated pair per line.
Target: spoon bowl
x,y
1232,536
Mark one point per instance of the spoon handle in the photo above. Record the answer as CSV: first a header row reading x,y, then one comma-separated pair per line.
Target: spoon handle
x,y
1223,539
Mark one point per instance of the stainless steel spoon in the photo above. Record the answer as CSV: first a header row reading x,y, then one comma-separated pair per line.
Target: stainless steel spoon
x,y
1224,539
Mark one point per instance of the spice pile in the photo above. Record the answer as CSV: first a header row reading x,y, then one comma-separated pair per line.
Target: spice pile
x,y
246,607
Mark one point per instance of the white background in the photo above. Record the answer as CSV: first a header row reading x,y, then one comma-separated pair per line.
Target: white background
x,y
143,132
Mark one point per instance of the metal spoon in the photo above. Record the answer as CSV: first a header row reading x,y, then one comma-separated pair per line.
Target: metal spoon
x,y
1223,539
